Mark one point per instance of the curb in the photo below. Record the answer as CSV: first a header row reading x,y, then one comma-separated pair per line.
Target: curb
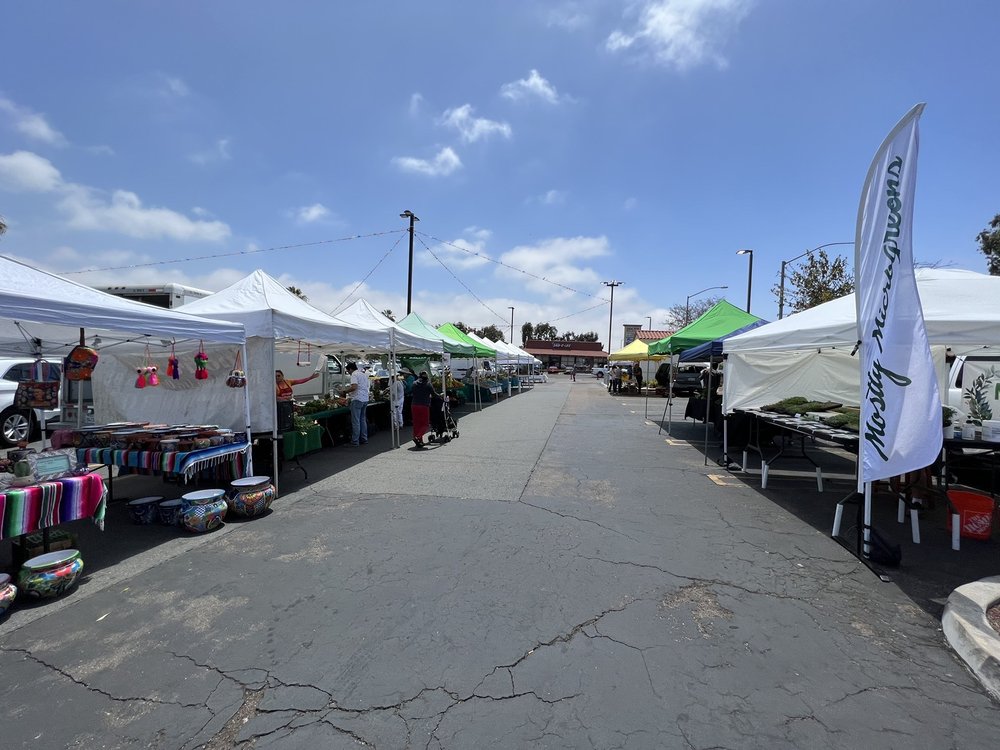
x,y
969,632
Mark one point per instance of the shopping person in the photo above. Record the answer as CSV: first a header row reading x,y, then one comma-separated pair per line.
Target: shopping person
x,y
357,391
283,394
397,394
420,408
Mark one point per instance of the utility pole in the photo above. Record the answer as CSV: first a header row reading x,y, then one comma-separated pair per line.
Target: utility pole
x,y
408,214
611,313
511,324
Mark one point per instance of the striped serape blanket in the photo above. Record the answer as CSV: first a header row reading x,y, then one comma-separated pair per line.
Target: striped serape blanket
x,y
187,463
38,506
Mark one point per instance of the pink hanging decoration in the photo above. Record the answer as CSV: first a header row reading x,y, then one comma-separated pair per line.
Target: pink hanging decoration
x,y
140,380
151,377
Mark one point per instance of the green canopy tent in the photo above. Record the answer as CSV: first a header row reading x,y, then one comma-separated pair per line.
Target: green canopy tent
x,y
481,351
720,319
415,324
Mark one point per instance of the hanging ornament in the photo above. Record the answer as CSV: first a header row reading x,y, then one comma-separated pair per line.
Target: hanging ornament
x,y
151,377
173,364
140,379
304,356
201,363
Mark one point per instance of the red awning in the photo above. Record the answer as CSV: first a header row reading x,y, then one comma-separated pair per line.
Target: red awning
x,y
540,353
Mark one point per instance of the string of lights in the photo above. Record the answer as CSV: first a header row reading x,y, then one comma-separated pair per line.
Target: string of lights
x,y
368,275
237,253
466,286
506,265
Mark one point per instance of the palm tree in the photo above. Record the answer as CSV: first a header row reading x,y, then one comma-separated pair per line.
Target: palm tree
x,y
3,225
298,293
388,313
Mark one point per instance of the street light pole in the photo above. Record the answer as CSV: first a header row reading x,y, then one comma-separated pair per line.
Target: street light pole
x,y
611,313
749,274
408,214
687,302
784,265
650,319
511,323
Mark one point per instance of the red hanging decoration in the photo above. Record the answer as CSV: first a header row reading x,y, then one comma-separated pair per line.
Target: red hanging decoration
x,y
201,363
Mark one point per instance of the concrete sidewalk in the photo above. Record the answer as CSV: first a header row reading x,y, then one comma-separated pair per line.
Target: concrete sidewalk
x,y
559,576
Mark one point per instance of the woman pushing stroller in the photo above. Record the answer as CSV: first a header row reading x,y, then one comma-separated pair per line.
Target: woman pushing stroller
x,y
420,408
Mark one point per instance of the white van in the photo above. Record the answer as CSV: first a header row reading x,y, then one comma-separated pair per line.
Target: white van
x,y
963,375
333,376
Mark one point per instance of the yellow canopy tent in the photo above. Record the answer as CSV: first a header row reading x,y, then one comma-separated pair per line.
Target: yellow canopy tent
x,y
637,351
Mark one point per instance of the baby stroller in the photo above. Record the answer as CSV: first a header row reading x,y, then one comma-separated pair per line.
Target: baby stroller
x,y
444,428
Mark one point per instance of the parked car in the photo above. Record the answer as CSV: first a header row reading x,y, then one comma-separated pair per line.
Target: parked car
x,y
553,369
20,424
687,378
598,371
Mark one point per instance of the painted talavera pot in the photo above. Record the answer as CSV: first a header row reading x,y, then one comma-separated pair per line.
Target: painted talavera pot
x,y
51,574
170,512
250,496
203,510
144,510
8,593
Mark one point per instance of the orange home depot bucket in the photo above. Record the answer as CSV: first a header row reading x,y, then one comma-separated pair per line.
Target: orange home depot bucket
x,y
975,511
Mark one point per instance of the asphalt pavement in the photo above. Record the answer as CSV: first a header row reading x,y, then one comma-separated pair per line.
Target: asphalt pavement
x,y
563,575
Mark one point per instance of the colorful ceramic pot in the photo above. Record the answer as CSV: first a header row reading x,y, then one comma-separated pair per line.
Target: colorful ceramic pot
x,y
51,574
144,510
203,510
8,593
170,512
250,496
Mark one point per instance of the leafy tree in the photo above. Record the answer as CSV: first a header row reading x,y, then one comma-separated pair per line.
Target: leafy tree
x,y
527,332
462,327
388,313
588,336
490,332
816,281
3,225
298,293
989,245
546,332
680,315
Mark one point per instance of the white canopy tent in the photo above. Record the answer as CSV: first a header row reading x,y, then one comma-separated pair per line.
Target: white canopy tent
x,y
396,339
276,318
810,353
45,315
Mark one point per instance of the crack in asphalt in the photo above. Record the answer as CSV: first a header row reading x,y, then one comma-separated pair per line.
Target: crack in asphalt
x,y
110,696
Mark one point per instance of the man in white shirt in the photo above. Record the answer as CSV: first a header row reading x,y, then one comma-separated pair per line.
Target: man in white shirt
x,y
358,393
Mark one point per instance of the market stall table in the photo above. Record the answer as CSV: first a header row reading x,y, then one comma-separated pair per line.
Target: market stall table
x,y
38,507
184,464
795,431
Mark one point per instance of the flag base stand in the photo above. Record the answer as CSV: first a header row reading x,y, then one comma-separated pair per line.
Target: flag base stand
x,y
856,549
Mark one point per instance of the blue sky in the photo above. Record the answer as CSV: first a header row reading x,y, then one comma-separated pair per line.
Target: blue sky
x,y
576,142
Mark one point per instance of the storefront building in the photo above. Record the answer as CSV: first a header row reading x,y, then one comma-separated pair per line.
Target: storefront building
x,y
563,354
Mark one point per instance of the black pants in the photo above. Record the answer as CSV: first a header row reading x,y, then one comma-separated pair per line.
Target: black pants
x,y
285,421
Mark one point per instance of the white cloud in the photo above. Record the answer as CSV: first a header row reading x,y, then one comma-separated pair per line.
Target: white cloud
x,y
89,208
173,86
219,152
31,124
568,16
553,198
478,233
534,86
416,102
682,34
101,150
472,128
123,212
444,163
310,214
556,260
630,204
460,254
26,172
